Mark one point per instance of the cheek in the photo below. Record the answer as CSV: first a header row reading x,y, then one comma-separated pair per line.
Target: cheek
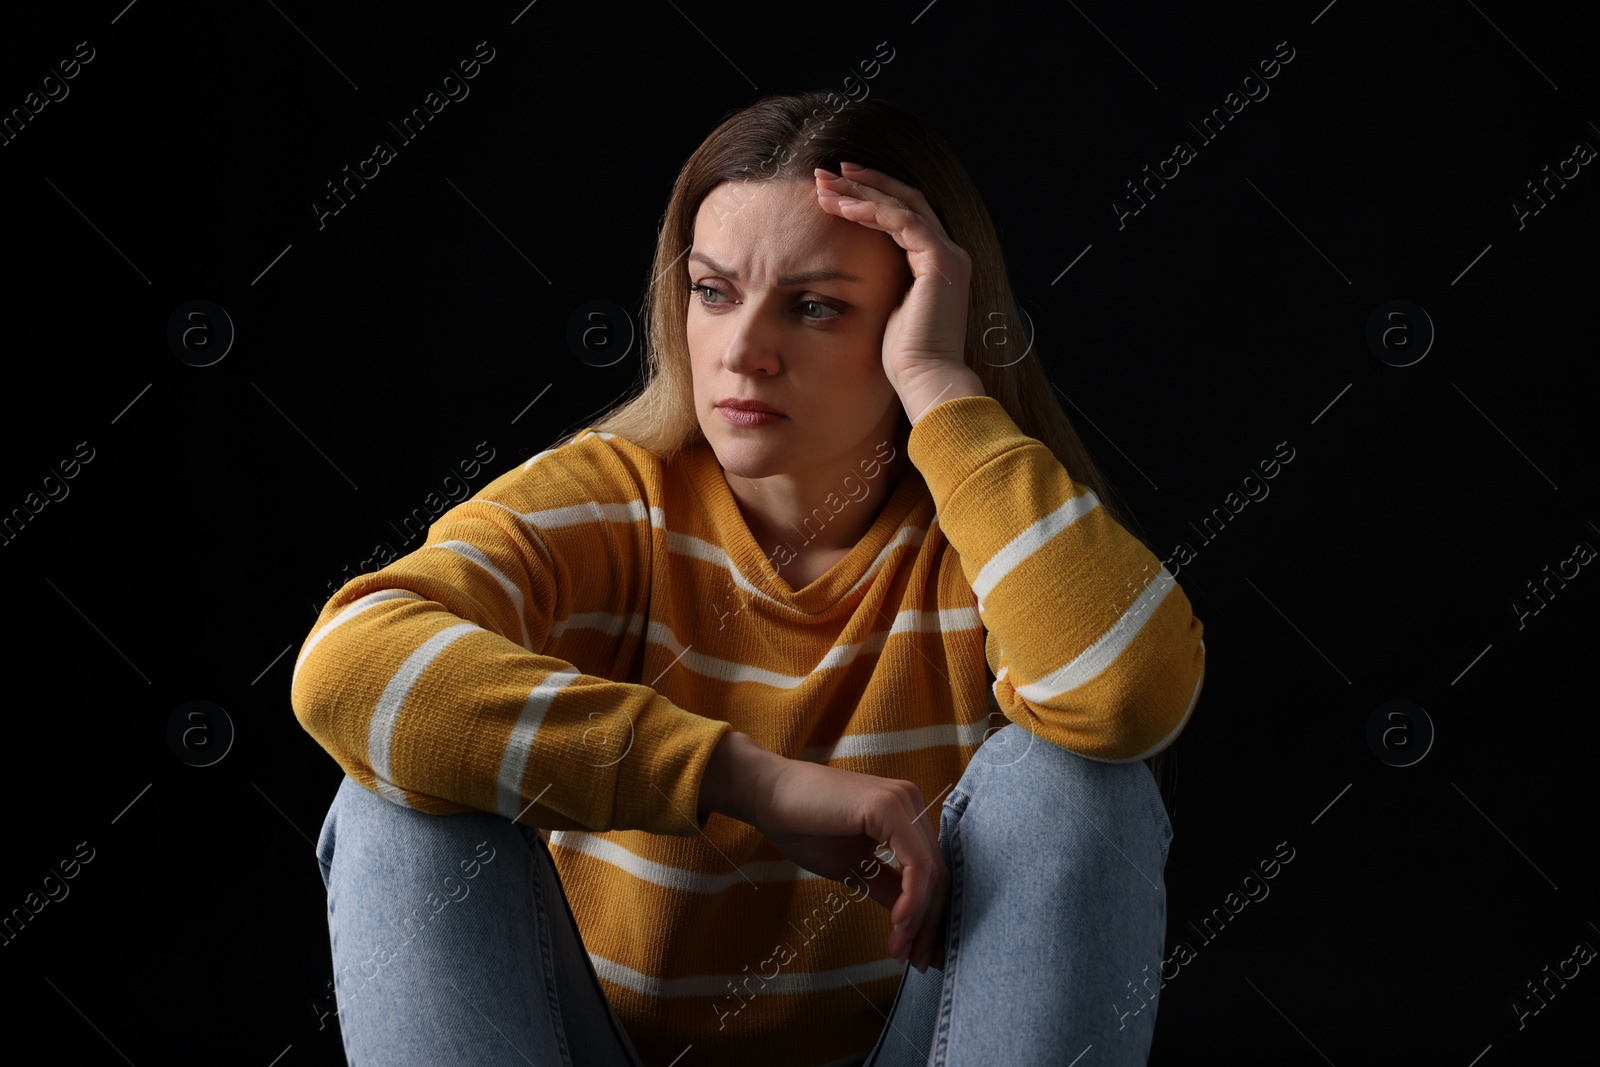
x,y
696,347
867,373
702,341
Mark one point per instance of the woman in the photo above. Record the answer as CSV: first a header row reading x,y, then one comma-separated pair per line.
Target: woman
x,y
745,666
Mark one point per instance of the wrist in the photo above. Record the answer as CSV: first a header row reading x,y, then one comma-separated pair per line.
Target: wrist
x,y
921,394
737,777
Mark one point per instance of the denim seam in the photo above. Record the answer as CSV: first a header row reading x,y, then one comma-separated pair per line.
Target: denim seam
x,y
619,1032
1158,813
956,805
547,955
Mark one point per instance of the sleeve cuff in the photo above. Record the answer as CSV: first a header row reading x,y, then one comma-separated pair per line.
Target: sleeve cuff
x,y
672,747
956,438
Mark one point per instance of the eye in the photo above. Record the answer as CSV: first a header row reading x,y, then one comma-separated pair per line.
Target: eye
x,y
705,301
705,289
820,304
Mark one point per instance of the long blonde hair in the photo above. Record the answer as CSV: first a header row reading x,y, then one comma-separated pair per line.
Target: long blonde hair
x,y
785,137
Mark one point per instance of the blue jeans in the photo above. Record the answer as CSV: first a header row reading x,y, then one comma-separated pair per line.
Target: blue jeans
x,y
1056,923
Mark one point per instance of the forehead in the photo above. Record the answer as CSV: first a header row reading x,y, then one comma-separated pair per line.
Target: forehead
x,y
775,225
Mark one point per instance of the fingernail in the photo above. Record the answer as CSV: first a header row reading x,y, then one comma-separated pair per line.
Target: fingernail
x,y
852,166
824,172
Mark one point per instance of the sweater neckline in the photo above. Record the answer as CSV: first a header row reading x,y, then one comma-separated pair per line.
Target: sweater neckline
x,y
710,484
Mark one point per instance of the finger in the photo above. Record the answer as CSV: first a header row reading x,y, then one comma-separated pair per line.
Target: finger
x,y
864,186
931,251
897,819
927,950
929,832
880,213
832,190
935,881
852,176
908,913
910,903
923,931
884,885
920,861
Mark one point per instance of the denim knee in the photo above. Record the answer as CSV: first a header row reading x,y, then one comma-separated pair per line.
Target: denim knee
x,y
383,821
375,837
1019,779
430,914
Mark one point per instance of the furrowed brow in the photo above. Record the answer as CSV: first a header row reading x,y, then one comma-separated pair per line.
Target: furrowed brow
x,y
821,274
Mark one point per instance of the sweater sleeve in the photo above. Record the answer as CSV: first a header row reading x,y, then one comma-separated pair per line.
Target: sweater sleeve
x,y
427,680
1092,643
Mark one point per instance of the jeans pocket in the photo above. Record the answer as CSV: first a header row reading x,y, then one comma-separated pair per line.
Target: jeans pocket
x,y
950,812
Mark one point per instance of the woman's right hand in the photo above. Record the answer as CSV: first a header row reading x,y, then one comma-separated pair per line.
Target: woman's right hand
x,y
831,821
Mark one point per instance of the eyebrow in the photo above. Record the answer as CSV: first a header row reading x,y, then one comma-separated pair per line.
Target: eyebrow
x,y
822,274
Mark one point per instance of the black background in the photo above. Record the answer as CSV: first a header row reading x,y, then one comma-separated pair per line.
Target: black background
x,y
1229,315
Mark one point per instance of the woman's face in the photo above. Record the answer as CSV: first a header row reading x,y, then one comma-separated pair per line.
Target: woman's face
x,y
771,329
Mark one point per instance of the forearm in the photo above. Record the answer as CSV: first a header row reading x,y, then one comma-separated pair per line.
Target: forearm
x,y
737,780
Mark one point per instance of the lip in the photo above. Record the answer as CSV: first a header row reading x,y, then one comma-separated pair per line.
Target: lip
x,y
743,417
741,404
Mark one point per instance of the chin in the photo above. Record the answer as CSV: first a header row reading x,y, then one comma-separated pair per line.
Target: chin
x,y
751,458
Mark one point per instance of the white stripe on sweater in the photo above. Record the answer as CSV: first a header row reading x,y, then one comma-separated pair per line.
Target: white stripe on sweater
x,y
945,620
380,734
698,548
662,874
514,760
513,593
352,609
603,621
1089,663
1030,541
895,741
1194,697
786,981
592,433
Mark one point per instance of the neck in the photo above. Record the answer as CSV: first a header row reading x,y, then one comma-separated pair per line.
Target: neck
x,y
822,511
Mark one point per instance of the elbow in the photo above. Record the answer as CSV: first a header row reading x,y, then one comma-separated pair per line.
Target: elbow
x,y
334,731
316,715
1156,712
1176,692
333,668
1132,719
322,706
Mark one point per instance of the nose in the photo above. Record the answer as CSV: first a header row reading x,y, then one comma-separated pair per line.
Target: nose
x,y
752,342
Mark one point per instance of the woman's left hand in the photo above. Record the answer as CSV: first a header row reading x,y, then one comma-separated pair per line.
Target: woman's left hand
x,y
924,341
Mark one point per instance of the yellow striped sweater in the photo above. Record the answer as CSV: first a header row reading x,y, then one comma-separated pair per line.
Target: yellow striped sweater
x,y
567,647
